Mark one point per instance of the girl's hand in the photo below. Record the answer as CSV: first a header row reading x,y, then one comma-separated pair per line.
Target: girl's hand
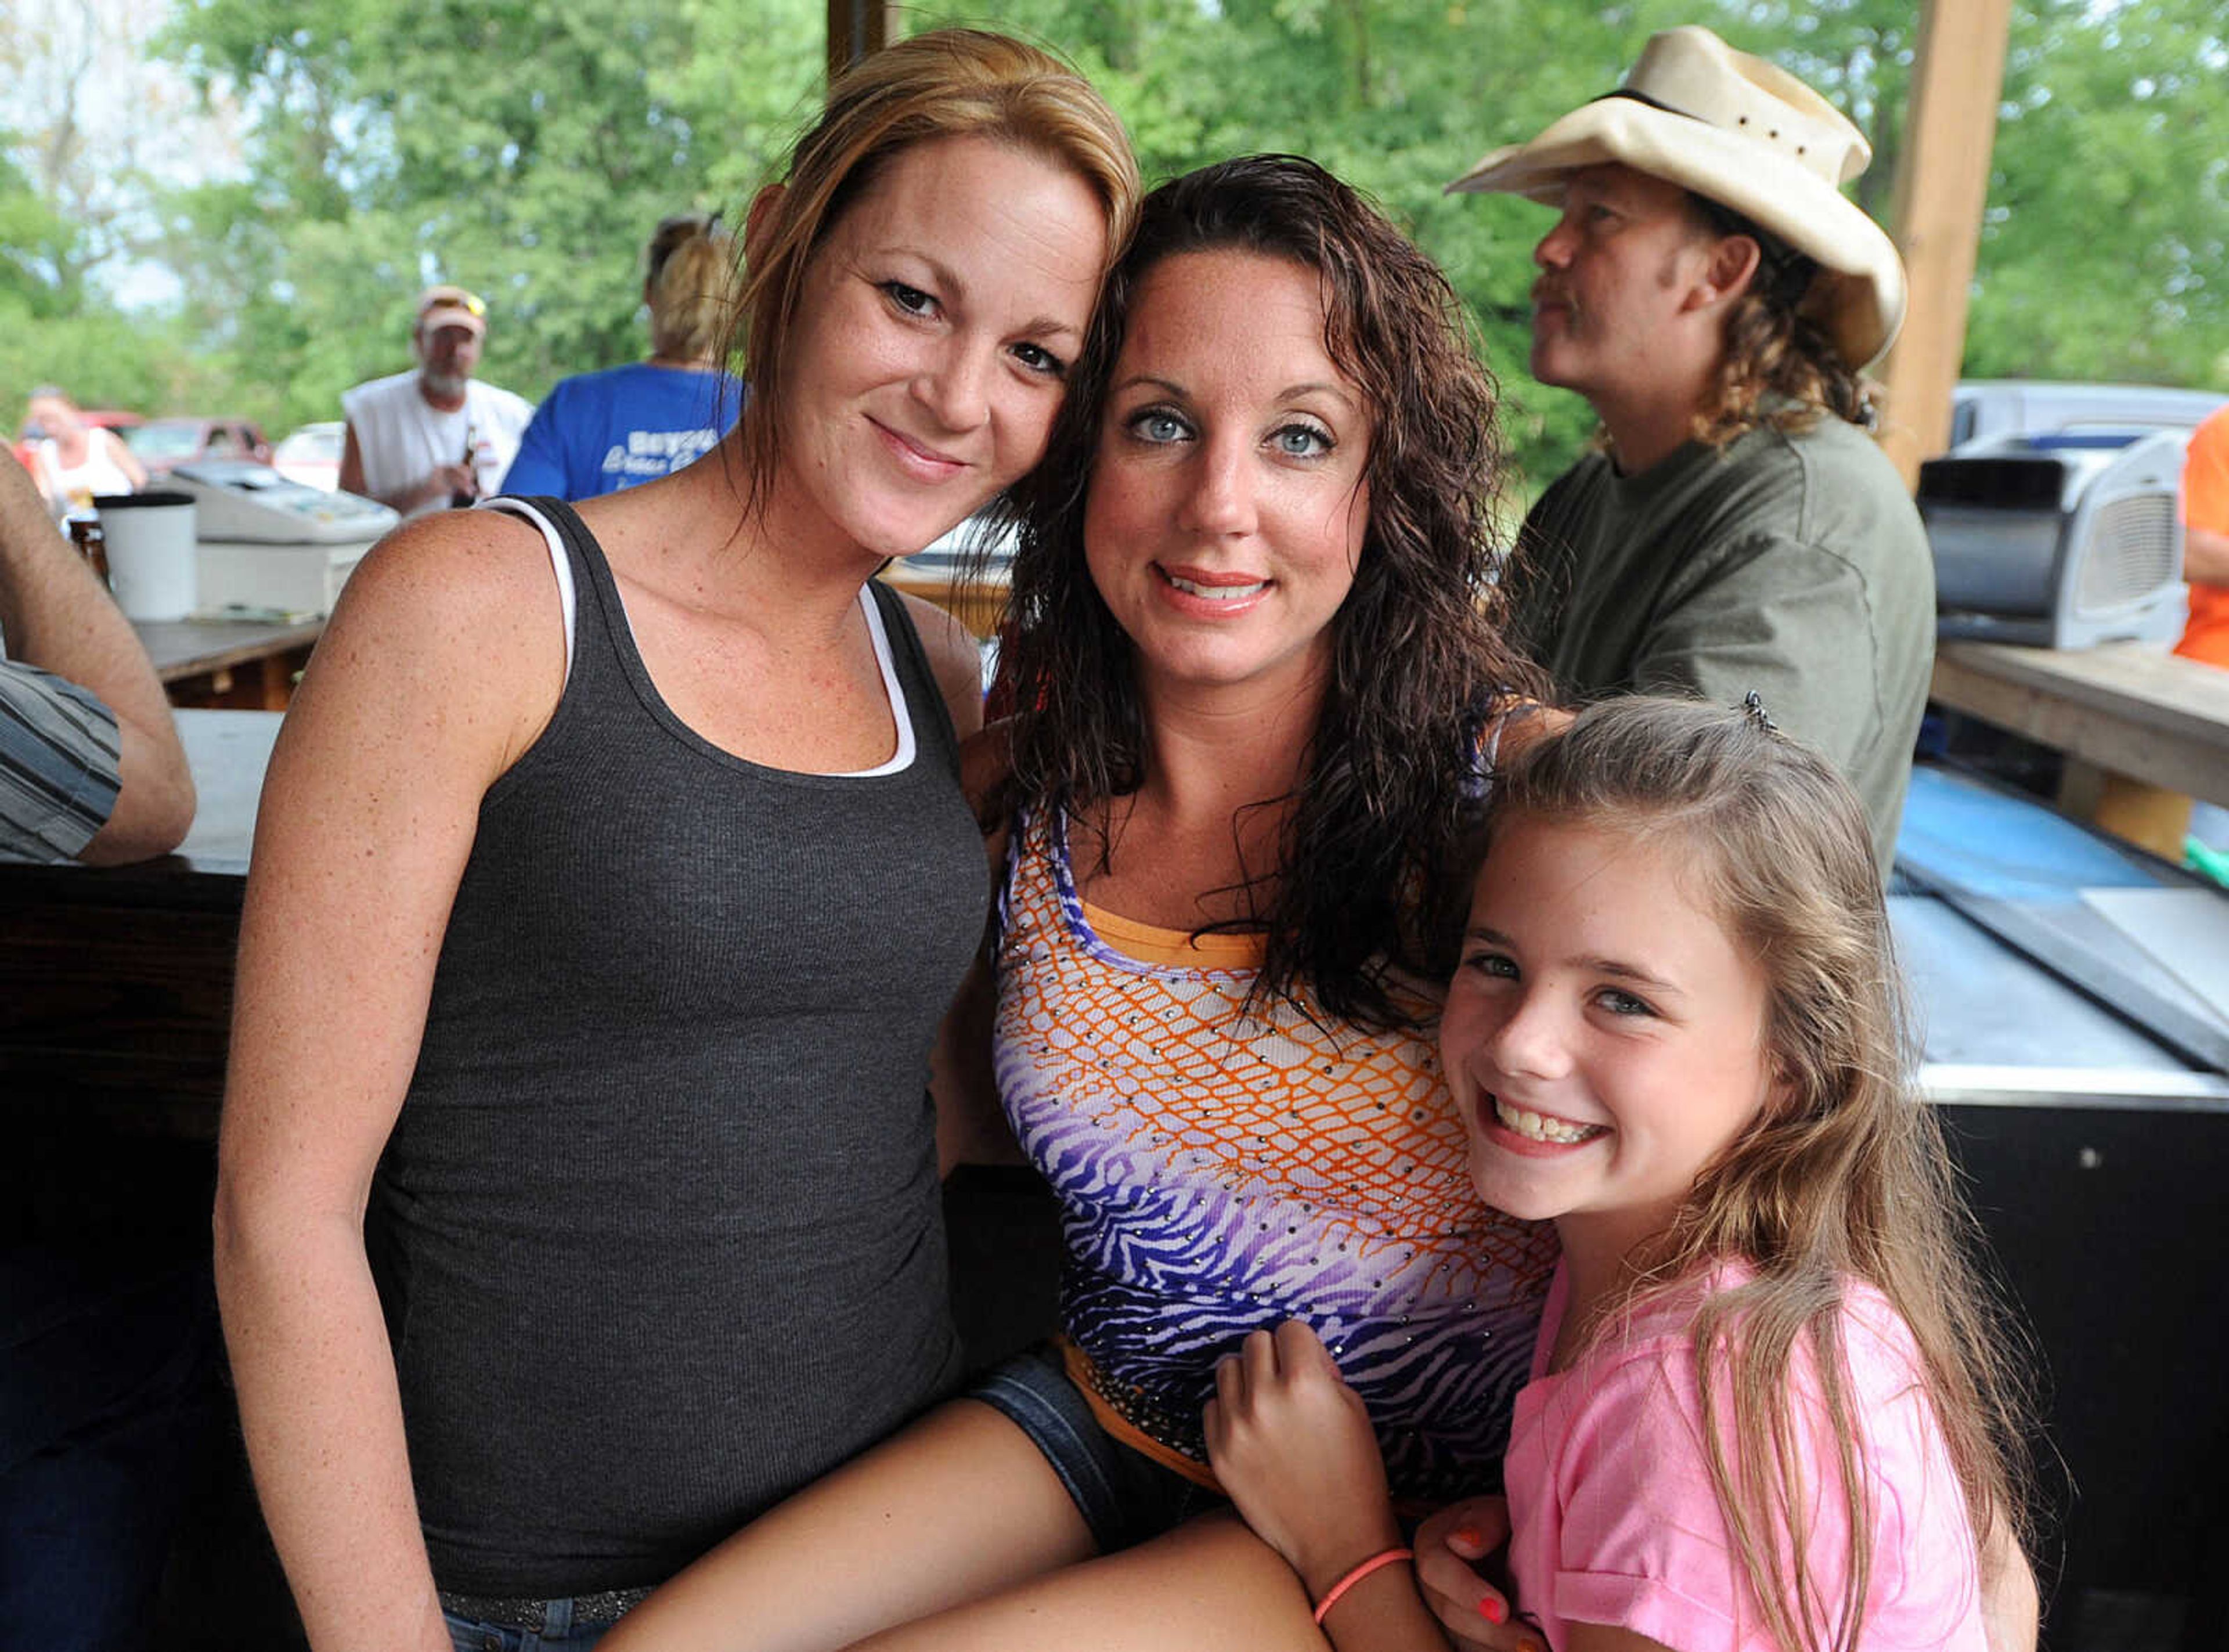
x,y
1291,1443
1454,1549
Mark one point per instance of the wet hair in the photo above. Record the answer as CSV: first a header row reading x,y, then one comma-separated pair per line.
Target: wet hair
x,y
949,83
690,274
1780,367
1845,1177
1418,661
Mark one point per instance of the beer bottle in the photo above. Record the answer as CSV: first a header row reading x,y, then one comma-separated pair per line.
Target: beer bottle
x,y
465,496
92,543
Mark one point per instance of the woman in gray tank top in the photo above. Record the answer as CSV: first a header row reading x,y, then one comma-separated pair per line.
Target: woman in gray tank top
x,y
578,1188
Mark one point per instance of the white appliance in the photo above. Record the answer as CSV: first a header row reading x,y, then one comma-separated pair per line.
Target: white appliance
x,y
267,542
2062,540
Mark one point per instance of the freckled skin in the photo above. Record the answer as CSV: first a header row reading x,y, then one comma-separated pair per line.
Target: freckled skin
x,y
929,353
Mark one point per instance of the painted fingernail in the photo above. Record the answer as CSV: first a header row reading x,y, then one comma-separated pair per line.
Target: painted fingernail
x,y
1531,1646
1469,1536
1491,1608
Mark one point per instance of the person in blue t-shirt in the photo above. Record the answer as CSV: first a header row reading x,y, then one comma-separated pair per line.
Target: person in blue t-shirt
x,y
598,433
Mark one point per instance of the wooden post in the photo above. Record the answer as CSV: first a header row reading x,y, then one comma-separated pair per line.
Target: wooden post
x,y
1942,185
857,27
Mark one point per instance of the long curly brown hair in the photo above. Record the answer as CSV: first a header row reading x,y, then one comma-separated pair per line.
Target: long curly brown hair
x,y
1780,367
1378,828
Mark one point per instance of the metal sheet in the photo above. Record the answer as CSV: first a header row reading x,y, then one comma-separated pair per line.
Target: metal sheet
x,y
1982,1003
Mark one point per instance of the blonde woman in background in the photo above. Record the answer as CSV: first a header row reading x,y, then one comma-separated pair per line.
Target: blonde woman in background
x,y
598,433
72,460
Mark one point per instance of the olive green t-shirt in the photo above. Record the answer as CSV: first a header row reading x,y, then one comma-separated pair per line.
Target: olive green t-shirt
x,y
1795,565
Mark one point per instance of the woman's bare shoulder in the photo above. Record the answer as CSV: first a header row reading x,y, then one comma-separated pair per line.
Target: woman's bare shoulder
x,y
459,611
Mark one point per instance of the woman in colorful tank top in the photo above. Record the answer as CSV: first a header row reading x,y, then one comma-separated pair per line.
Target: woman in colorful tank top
x,y
1261,683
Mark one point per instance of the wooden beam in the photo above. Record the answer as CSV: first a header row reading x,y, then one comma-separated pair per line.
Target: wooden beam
x,y
858,27
1942,186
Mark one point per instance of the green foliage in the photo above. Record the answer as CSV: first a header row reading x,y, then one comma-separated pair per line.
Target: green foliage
x,y
2106,251
525,147
521,148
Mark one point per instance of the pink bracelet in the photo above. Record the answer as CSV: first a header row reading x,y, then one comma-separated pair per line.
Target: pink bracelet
x,y
1386,1557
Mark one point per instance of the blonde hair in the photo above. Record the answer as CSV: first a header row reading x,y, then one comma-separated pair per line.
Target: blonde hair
x,y
1846,1179
690,277
949,83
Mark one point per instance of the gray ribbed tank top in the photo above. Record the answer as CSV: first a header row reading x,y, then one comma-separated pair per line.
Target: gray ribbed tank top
x,y
658,1231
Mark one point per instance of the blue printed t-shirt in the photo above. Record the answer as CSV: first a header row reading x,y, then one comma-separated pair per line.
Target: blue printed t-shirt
x,y
597,433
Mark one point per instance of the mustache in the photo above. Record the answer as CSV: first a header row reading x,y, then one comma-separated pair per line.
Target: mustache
x,y
1547,291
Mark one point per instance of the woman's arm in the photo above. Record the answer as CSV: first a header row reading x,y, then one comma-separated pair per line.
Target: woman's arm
x,y
120,452
412,707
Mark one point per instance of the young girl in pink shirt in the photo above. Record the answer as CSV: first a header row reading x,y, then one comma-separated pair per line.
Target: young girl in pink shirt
x,y
1767,1409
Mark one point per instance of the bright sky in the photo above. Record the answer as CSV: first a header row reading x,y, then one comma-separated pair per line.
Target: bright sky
x,y
84,62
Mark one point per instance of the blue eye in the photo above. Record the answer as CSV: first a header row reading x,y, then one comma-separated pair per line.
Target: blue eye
x,y
1623,1003
1499,965
1301,441
1158,426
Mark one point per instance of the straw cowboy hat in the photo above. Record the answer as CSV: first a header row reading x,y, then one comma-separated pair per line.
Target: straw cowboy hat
x,y
1749,136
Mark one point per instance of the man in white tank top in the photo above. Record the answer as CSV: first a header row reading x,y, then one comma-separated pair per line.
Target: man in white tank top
x,y
433,436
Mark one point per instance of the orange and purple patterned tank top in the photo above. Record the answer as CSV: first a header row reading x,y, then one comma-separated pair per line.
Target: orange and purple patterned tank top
x,y
1221,1167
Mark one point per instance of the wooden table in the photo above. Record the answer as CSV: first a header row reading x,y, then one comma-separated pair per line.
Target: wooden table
x,y
244,662
116,982
2125,708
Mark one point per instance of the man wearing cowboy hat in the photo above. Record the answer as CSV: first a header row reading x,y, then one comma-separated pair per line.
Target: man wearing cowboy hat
x,y
433,435
1715,297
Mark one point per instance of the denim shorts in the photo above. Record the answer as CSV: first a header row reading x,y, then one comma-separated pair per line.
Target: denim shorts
x,y
558,1633
1124,1495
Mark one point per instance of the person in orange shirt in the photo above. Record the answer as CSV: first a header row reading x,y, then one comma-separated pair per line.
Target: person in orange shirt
x,y
2206,541
2206,566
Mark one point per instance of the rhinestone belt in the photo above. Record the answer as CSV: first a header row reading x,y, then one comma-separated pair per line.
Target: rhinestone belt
x,y
607,1606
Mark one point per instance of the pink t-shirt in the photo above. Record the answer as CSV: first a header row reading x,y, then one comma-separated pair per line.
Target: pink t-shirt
x,y
1615,1521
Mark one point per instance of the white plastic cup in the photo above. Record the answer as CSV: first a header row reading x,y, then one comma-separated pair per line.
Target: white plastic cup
x,y
150,553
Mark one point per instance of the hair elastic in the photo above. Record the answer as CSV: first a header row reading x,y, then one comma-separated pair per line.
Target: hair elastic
x,y
1383,1558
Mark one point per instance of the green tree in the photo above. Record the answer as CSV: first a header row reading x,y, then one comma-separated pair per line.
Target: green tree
x,y
2105,248
1395,98
523,148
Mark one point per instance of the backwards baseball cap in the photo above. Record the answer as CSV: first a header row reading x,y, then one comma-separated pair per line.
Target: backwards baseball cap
x,y
1748,135
445,305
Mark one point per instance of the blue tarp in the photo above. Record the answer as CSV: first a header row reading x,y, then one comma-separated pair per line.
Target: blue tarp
x,y
1962,835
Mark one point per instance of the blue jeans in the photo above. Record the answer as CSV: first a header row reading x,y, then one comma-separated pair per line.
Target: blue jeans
x,y
1124,1496
558,1629
108,1397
